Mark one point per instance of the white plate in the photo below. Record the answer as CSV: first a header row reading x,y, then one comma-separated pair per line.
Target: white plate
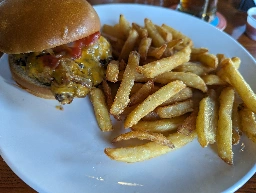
x,y
57,151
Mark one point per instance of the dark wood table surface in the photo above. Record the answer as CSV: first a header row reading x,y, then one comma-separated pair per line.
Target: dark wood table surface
x,y
236,19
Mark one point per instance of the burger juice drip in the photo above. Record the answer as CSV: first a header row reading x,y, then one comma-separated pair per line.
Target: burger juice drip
x,y
70,70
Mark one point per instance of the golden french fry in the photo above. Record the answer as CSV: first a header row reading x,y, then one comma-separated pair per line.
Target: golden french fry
x,y
183,95
112,71
188,125
143,33
176,109
143,135
122,96
248,123
212,79
190,79
166,35
195,68
124,26
152,101
151,116
240,85
157,52
236,62
142,93
158,67
157,39
236,135
159,126
108,93
129,45
178,35
195,51
148,150
144,47
207,59
206,122
100,109
224,129
113,31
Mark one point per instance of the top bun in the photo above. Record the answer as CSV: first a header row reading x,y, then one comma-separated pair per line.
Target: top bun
x,y
33,26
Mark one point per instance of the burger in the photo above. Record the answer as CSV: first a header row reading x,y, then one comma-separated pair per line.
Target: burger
x,y
54,47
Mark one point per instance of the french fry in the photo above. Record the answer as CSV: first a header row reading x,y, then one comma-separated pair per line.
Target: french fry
x,y
240,85
148,150
157,39
112,71
124,26
183,95
190,79
207,118
224,129
144,47
166,35
100,109
108,93
195,68
129,45
143,33
207,59
152,101
188,125
113,31
158,67
122,96
159,126
176,109
248,123
142,93
196,51
212,79
178,35
142,135
236,136
157,52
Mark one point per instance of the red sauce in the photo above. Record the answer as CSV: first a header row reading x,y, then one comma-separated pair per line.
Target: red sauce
x,y
75,51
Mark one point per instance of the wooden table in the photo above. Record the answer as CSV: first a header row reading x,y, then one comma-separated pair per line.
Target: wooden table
x,y
10,183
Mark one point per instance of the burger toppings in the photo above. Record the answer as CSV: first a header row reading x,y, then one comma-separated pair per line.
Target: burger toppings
x,y
70,70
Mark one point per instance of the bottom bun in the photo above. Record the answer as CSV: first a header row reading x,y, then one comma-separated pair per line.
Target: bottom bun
x,y
27,83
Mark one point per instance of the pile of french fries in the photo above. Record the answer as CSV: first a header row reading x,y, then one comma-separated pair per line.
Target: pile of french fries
x,y
169,93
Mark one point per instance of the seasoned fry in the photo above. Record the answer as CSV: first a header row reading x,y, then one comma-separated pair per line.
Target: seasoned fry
x,y
160,126
157,39
195,68
148,150
176,109
112,71
158,67
142,135
207,118
152,101
157,52
129,44
224,129
183,95
166,35
145,43
189,124
240,85
142,93
248,123
143,33
122,97
124,26
100,109
207,59
108,93
190,79
212,79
